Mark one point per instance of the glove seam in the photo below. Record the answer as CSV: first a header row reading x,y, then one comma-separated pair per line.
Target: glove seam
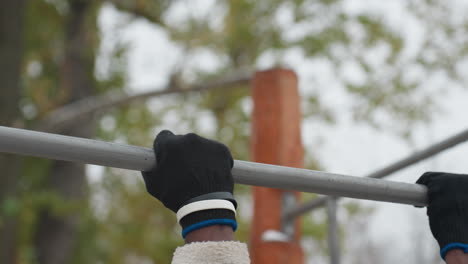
x,y
213,196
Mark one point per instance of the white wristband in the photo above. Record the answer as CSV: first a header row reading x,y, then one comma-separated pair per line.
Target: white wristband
x,y
204,205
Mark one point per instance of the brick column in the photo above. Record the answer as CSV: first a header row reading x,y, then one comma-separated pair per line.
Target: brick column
x,y
276,139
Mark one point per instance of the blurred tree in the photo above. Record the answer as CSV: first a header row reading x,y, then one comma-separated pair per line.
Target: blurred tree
x,y
11,54
62,44
56,231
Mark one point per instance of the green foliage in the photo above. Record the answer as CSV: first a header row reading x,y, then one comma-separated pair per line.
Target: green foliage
x,y
133,224
10,206
315,227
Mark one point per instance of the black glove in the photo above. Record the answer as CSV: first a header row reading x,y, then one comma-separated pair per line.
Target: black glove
x,y
447,209
191,169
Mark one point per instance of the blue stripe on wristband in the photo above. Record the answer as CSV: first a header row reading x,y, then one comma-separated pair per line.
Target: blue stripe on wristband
x,y
202,224
451,246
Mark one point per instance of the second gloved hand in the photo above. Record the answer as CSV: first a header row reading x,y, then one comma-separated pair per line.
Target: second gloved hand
x,y
193,179
447,209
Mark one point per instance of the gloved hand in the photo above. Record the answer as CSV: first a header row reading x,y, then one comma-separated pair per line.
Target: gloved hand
x,y
447,209
193,178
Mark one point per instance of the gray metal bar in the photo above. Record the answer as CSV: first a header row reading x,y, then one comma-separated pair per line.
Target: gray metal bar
x,y
304,208
26,142
59,147
333,231
386,171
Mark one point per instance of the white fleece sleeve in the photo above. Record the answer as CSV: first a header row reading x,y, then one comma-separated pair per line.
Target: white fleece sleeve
x,y
225,252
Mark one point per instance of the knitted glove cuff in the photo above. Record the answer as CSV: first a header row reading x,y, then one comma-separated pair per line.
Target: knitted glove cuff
x,y
449,229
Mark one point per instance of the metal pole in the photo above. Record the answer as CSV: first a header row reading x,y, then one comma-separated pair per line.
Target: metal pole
x,y
384,172
39,144
59,147
333,231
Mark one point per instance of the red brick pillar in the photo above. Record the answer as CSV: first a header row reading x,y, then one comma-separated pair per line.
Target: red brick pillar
x,y
276,139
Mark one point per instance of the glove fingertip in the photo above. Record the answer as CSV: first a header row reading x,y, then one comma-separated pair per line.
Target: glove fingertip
x,y
162,136
426,177
228,154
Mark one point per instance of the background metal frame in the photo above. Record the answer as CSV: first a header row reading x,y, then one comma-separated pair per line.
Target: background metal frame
x,y
387,170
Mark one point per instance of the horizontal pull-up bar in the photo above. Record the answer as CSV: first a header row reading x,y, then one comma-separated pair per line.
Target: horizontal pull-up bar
x,y
386,171
59,147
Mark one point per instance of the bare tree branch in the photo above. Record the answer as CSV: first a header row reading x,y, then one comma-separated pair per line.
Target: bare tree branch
x,y
71,113
132,8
